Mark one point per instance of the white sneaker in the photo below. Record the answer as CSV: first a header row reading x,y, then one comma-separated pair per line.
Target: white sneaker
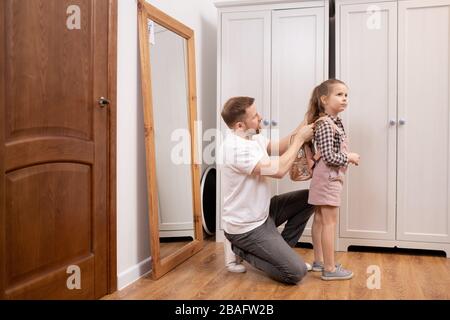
x,y
308,266
236,267
232,261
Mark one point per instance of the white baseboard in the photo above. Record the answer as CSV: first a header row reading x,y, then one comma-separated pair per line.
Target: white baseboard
x,y
134,273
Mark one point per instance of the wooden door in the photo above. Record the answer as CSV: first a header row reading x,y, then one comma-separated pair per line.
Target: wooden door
x,y
366,59
298,65
54,149
424,130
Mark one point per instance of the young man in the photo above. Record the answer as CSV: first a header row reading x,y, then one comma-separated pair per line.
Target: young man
x,y
250,216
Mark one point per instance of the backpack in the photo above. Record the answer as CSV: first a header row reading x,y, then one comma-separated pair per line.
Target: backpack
x,y
302,168
307,157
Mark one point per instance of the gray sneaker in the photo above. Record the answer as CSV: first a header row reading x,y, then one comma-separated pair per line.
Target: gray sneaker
x,y
338,274
318,266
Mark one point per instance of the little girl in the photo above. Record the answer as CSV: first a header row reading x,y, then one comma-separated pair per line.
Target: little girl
x,y
332,158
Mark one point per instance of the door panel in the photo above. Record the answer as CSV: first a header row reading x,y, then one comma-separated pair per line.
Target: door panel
x,y
367,63
424,105
42,286
54,148
245,64
297,67
47,69
34,235
246,58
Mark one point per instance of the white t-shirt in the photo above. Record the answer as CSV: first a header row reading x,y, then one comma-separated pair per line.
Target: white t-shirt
x,y
246,197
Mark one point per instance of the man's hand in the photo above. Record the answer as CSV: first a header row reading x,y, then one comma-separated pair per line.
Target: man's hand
x,y
278,148
305,133
279,166
353,158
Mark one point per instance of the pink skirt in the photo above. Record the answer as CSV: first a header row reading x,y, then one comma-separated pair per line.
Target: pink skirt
x,y
326,185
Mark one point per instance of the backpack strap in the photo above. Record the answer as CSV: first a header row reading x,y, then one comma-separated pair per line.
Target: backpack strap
x,y
334,127
331,122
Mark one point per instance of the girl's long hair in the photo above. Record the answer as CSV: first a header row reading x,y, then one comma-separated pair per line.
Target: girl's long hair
x,y
315,108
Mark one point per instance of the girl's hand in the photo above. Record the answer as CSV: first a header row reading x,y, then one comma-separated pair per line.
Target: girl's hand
x,y
353,158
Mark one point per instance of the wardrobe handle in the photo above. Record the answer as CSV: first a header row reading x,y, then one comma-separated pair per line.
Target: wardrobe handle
x,y
266,122
392,122
402,122
274,123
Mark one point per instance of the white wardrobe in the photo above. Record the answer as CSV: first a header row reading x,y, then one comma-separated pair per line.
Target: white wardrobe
x,y
395,58
276,52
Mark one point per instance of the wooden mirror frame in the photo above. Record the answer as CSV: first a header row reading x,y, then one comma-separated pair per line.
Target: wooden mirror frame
x,y
162,266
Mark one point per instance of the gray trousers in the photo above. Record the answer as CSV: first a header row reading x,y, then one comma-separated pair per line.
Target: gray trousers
x,y
266,249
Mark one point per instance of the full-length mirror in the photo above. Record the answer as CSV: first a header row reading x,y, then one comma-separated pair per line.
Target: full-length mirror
x,y
169,98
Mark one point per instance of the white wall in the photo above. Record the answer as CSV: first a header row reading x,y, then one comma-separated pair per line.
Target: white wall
x,y
132,223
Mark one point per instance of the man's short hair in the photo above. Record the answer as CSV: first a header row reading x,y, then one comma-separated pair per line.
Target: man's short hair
x,y
234,110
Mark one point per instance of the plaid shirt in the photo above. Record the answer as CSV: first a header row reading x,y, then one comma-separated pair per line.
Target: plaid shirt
x,y
329,143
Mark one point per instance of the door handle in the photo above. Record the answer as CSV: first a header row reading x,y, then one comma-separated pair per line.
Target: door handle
x,y
274,123
392,122
103,102
402,122
266,122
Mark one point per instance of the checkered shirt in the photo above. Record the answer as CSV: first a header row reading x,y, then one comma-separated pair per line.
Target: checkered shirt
x,y
329,142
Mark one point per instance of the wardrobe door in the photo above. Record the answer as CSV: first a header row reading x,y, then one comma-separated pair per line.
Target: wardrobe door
x,y
298,65
244,65
245,58
424,121
366,60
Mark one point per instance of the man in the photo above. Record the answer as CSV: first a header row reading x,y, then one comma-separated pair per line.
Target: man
x,y
250,217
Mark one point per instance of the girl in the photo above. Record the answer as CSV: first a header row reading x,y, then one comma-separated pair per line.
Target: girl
x,y
332,158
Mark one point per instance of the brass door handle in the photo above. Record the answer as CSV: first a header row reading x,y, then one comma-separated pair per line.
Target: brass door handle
x,y
103,102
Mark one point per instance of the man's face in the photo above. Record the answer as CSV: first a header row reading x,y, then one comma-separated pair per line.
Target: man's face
x,y
252,122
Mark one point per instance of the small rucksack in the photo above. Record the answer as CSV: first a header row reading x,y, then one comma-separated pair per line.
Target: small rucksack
x,y
302,168
308,155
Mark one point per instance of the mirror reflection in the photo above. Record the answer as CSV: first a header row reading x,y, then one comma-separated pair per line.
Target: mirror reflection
x,y
169,81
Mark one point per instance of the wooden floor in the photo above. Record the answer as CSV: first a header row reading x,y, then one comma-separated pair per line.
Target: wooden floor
x,y
167,249
403,276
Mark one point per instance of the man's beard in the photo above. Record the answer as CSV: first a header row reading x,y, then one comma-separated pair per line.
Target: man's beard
x,y
251,132
258,129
